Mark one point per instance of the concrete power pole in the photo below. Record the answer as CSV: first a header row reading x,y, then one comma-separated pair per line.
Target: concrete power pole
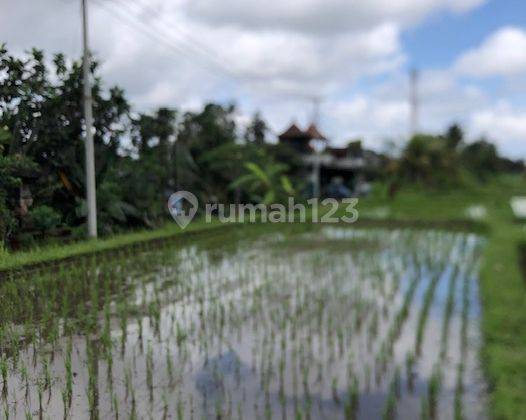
x,y
315,117
317,146
413,99
91,198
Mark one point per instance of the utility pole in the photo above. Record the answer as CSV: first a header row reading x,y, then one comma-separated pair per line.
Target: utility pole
x,y
91,198
316,175
318,146
315,117
413,99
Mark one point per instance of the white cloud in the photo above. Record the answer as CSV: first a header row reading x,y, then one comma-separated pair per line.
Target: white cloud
x,y
502,53
367,117
204,59
319,16
281,62
504,124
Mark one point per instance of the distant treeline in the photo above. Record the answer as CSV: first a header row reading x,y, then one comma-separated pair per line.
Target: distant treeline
x,y
142,157
447,160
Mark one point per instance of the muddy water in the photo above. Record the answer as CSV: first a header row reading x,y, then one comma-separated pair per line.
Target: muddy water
x,y
336,323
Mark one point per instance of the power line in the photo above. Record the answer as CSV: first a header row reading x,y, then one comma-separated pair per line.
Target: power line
x,y
128,17
205,52
198,45
163,33
160,31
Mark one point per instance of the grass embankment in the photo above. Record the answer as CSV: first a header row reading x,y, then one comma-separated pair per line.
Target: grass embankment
x,y
57,254
54,253
502,286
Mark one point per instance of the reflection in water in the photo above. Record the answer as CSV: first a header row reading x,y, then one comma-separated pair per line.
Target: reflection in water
x,y
331,323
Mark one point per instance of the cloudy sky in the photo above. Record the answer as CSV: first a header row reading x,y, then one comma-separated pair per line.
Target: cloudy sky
x,y
279,56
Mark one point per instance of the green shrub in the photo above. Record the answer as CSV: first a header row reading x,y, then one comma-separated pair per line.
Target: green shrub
x,y
44,218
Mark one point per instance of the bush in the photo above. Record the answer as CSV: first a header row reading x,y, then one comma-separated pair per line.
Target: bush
x,y
44,218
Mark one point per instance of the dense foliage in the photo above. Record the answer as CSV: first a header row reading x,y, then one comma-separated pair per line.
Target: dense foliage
x,y
140,158
446,160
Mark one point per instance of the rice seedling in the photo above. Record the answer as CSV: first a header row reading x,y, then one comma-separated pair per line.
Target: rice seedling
x,y
149,371
115,406
447,313
65,402
40,390
424,408
4,370
272,325
69,374
396,385
47,374
165,405
335,396
433,391
426,305
389,411
409,366
459,390
24,375
352,400
459,387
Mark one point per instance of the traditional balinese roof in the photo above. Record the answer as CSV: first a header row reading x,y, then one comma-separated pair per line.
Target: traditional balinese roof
x,y
314,133
294,132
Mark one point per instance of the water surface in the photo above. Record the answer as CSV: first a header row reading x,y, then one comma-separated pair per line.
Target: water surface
x,y
325,323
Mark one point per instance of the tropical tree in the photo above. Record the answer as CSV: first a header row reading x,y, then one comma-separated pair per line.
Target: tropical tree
x,y
207,149
12,168
256,130
430,161
481,158
454,136
41,108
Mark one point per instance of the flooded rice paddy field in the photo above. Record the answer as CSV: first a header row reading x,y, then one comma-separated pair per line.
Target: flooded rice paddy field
x,y
300,323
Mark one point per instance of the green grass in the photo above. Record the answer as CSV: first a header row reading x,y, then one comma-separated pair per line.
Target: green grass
x,y
503,298
55,252
16,260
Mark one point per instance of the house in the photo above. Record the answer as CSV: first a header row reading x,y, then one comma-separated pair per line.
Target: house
x,y
348,166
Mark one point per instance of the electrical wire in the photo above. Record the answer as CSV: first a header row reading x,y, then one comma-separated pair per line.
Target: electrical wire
x,y
195,43
129,18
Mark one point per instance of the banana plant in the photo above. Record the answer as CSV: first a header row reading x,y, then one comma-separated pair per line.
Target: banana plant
x,y
266,184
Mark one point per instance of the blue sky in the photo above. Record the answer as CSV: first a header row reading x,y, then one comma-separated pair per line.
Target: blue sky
x,y
436,43
441,38
275,56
